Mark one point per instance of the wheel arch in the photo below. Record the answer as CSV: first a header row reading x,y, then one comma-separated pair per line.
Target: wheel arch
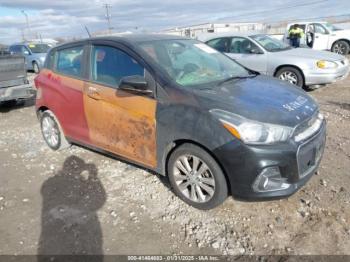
x,y
289,65
41,110
177,143
35,61
341,39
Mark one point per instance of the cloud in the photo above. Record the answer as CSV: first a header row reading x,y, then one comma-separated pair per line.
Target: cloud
x,y
68,17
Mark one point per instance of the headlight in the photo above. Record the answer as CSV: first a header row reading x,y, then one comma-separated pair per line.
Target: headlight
x,y
252,132
326,64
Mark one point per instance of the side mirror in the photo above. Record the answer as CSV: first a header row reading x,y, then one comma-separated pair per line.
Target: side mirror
x,y
255,51
26,52
134,83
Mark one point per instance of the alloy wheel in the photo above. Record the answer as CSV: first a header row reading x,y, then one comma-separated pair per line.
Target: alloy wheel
x,y
194,179
339,48
36,68
290,77
50,131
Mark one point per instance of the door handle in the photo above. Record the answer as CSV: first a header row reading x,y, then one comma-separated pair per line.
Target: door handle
x,y
93,93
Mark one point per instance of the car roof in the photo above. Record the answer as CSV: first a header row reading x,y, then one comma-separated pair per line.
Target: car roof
x,y
127,38
307,22
210,36
28,43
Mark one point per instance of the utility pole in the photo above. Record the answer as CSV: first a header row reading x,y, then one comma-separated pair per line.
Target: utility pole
x,y
108,17
22,33
27,21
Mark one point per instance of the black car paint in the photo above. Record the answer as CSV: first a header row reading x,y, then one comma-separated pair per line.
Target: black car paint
x,y
183,115
261,99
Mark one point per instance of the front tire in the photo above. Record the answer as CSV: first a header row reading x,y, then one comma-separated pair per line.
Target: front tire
x,y
196,177
36,68
52,131
341,47
291,75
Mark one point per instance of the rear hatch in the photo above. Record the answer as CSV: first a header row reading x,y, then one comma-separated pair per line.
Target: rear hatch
x,y
12,71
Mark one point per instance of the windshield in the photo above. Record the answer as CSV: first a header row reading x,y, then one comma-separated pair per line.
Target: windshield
x,y
332,27
270,44
191,63
39,48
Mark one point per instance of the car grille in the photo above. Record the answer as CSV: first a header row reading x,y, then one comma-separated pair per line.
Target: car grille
x,y
309,154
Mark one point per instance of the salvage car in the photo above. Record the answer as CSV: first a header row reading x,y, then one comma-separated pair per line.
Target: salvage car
x,y
182,109
14,84
303,67
34,53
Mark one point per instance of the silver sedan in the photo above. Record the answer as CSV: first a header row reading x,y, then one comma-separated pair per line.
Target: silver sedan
x,y
269,56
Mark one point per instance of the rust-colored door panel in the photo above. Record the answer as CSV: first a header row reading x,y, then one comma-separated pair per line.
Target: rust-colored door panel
x,y
93,92
64,96
121,122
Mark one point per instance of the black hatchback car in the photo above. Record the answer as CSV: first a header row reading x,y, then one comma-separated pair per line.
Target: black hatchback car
x,y
182,109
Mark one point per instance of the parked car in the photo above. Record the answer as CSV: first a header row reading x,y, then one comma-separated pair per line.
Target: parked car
x,y
269,56
4,51
14,84
34,53
182,109
321,35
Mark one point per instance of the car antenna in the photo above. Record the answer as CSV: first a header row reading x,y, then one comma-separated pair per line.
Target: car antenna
x,y
87,30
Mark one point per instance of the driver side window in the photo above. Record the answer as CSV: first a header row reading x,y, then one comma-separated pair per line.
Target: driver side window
x,y
319,29
241,45
110,65
24,50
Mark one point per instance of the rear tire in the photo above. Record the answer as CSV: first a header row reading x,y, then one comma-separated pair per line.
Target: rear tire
x,y
199,180
291,75
341,47
52,131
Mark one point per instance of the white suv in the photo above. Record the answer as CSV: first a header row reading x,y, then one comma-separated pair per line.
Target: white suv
x,y
323,36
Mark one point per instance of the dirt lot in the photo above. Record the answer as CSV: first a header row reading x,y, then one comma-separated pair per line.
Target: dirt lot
x,y
78,201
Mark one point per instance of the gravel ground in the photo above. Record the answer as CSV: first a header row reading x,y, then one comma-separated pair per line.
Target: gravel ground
x,y
78,201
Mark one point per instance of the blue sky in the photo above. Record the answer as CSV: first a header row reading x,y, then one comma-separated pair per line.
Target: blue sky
x,y
68,17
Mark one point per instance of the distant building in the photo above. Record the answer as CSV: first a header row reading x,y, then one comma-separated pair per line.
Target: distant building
x,y
195,30
49,41
108,33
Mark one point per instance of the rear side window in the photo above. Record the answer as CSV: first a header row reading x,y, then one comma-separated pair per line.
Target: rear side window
x,y
69,61
219,44
110,64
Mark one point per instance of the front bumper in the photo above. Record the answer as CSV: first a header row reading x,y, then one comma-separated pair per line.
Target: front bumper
x,y
16,92
296,162
322,77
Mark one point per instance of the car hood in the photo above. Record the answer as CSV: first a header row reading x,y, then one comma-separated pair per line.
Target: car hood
x,y
39,55
262,99
311,53
342,33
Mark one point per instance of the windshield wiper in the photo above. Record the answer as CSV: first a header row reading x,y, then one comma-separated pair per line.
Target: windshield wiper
x,y
236,77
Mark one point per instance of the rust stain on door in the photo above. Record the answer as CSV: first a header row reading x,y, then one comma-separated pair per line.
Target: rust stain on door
x,y
122,123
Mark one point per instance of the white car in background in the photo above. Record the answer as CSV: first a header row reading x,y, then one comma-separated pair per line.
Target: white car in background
x,y
262,53
320,35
